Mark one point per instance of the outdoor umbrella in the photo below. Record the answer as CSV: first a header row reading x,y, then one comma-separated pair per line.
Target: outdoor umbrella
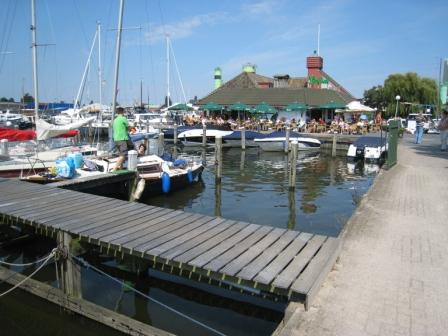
x,y
211,106
239,107
180,107
264,108
296,106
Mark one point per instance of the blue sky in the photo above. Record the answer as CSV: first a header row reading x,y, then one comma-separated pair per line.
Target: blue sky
x,y
362,42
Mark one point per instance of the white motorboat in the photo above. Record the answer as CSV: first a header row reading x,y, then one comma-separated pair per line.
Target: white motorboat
x,y
275,142
369,149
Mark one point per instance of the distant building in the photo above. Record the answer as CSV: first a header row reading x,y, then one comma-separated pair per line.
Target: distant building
x,y
317,90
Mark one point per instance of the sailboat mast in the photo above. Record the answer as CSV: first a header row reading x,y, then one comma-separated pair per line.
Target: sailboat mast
x,y
100,79
167,71
141,93
34,50
117,63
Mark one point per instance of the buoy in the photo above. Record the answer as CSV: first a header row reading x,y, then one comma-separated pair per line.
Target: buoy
x,y
140,189
190,176
166,183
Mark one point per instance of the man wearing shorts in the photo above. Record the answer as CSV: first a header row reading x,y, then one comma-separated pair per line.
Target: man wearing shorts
x,y
121,137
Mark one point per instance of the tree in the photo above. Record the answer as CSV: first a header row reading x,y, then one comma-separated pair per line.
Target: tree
x,y
11,100
3,99
412,89
27,98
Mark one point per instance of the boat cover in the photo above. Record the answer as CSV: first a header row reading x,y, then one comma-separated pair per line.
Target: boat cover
x,y
370,142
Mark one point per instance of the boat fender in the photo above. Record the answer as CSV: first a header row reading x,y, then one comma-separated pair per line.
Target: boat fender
x,y
140,189
166,183
190,176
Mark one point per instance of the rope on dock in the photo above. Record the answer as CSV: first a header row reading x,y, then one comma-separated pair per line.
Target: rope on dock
x,y
191,319
51,255
23,265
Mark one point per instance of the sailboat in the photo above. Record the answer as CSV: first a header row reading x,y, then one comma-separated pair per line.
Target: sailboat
x,y
37,161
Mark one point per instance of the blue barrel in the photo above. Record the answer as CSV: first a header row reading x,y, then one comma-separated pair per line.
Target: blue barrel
x,y
77,159
166,183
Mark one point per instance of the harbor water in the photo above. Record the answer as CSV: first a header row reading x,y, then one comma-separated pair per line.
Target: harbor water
x,y
254,188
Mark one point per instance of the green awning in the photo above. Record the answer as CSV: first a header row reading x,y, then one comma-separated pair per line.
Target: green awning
x,y
296,106
264,108
238,107
180,107
332,105
211,106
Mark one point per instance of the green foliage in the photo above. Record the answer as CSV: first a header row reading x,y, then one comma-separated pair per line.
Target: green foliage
x,y
3,99
412,89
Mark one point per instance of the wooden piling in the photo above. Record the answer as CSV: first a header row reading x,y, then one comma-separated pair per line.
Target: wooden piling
x,y
218,158
70,271
243,138
175,134
293,165
333,147
286,147
161,143
204,135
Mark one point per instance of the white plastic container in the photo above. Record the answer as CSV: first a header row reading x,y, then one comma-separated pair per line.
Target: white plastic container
x,y
132,160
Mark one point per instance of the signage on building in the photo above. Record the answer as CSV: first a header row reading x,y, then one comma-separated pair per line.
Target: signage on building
x,y
315,80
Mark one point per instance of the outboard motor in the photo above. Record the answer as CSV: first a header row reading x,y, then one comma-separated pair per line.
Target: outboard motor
x,y
360,152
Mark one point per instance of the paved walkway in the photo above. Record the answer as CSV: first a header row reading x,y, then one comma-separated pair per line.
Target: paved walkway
x,y
392,275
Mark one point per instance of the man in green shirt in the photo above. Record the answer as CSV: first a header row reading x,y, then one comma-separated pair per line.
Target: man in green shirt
x,y
121,137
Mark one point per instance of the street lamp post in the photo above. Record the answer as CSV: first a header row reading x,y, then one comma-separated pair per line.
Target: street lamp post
x,y
397,98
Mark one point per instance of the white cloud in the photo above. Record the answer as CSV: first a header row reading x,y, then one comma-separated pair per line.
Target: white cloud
x,y
265,7
183,28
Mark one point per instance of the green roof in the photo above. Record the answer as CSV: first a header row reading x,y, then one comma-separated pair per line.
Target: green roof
x,y
277,97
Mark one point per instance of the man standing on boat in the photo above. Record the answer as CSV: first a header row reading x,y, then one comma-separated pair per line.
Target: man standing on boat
x,y
121,137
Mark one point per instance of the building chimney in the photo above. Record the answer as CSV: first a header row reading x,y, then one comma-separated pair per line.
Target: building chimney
x,y
314,65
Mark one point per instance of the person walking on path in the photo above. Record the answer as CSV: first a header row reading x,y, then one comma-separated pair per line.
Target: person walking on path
x,y
443,128
420,121
121,137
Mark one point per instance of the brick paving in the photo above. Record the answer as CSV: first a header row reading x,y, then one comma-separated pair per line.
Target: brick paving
x,y
392,274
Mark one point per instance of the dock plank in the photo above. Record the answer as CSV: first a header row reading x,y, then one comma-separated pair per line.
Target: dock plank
x,y
223,246
284,258
237,247
251,270
235,265
187,234
194,242
292,271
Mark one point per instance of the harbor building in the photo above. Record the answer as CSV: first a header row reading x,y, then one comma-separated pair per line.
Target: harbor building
x,y
318,91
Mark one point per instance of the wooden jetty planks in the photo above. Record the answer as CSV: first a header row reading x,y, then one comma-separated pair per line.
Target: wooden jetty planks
x,y
237,247
281,260
223,246
236,264
175,230
208,244
155,227
194,242
292,271
131,232
249,271
187,233
309,276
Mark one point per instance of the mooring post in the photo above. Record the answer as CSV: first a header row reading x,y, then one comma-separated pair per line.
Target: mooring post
x,y
286,147
175,134
146,142
243,138
333,147
161,143
293,165
242,161
218,158
292,209
204,135
4,150
218,199
70,270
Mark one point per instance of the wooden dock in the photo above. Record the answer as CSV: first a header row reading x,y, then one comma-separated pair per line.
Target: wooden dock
x,y
268,260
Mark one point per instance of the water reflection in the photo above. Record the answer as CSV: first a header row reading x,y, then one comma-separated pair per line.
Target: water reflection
x,y
254,188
